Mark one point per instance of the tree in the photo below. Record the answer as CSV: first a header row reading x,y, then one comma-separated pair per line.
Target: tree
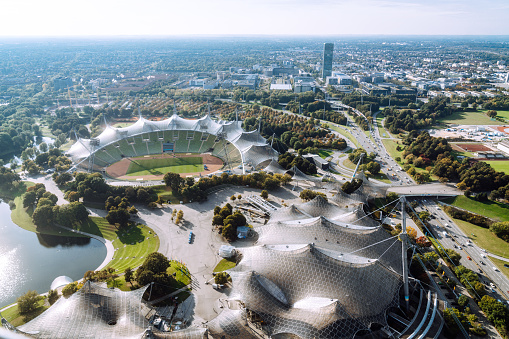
x,y
453,255
391,196
52,296
73,196
180,216
229,232
128,274
236,219
494,310
43,147
70,289
156,263
463,300
308,195
264,194
118,216
154,269
217,219
491,113
424,215
29,199
501,229
431,257
173,180
43,215
412,233
63,178
422,241
28,302
221,278
233,198
464,104
373,167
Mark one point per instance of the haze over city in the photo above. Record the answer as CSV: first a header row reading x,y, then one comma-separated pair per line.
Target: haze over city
x,y
250,17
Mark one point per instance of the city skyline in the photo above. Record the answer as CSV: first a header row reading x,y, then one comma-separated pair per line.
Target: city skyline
x,y
280,17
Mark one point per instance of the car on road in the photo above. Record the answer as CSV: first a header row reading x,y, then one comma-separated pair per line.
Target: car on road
x,y
506,265
495,269
482,262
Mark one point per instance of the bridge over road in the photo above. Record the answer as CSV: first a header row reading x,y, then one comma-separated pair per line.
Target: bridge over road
x,y
426,190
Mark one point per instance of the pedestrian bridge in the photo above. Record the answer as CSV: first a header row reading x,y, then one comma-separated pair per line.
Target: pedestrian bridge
x,y
426,190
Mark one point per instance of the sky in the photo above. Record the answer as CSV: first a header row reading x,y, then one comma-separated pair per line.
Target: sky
x,y
253,17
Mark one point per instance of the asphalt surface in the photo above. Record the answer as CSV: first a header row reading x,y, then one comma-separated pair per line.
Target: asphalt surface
x,y
457,240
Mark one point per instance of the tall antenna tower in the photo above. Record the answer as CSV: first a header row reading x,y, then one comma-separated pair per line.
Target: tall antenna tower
x,y
404,240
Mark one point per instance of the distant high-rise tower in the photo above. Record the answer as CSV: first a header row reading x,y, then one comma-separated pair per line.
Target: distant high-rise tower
x,y
328,51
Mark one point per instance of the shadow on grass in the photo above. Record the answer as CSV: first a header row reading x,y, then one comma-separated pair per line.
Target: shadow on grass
x,y
133,235
90,227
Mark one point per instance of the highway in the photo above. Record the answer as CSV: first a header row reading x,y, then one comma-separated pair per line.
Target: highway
x,y
389,166
461,243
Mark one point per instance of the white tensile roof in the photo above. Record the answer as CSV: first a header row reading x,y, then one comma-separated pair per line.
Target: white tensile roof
x,y
252,147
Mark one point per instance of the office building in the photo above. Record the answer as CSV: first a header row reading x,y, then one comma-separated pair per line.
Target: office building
x,y
328,51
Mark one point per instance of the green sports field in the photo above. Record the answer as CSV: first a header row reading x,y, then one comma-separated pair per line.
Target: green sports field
x,y
469,118
500,165
160,166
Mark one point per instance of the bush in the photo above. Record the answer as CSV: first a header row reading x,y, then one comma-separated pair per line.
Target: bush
x,y
28,302
472,218
52,296
501,230
70,289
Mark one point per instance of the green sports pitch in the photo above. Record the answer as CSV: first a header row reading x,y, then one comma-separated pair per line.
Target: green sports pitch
x,y
161,166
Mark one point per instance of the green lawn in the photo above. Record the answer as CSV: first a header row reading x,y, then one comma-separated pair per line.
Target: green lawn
x,y
67,145
346,134
500,265
160,166
12,315
500,165
503,114
490,209
182,278
348,164
484,238
380,176
325,153
224,265
469,118
381,129
165,193
131,247
390,146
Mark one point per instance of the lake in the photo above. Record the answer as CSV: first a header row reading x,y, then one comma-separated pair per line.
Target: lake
x,y
30,261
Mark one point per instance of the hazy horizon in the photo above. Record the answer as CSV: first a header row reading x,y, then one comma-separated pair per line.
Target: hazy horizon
x,y
30,18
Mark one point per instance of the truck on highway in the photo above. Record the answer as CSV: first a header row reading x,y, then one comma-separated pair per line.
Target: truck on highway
x,y
445,234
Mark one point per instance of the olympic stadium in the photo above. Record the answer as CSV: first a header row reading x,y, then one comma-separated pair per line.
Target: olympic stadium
x,y
225,140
